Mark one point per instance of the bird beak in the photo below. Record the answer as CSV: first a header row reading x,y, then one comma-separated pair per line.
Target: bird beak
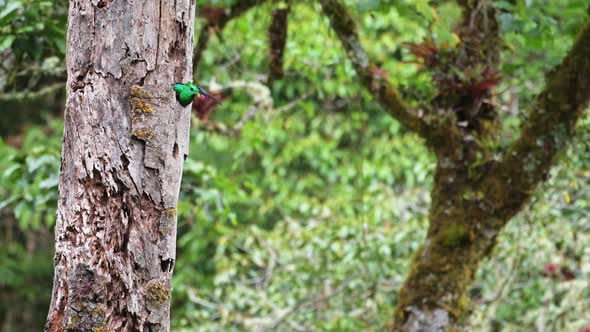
x,y
208,95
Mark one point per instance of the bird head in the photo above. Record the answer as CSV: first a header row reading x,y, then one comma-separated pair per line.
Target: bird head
x,y
187,91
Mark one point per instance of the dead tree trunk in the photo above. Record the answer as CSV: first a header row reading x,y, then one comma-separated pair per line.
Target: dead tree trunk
x,y
124,144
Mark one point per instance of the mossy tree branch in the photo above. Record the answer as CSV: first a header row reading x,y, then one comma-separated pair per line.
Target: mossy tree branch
x,y
433,296
550,126
32,95
467,215
218,23
385,93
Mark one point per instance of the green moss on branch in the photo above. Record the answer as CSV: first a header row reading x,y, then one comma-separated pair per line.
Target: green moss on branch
x,y
548,129
346,30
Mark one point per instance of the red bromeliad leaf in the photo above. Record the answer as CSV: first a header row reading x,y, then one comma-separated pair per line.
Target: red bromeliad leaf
x,y
490,80
427,51
482,87
203,105
485,85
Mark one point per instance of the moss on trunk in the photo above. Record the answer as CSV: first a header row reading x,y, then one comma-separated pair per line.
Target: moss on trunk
x,y
473,195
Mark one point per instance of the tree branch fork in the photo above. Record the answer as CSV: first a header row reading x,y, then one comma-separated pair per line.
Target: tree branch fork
x,y
474,193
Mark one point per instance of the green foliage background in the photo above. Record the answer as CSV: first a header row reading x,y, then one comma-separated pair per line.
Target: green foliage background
x,y
307,220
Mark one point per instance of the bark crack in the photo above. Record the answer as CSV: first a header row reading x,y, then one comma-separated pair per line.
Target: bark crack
x,y
159,32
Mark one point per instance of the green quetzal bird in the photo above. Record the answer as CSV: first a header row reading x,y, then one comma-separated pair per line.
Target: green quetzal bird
x,y
186,92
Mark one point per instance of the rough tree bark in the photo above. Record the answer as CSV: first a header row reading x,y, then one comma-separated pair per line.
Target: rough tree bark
x,y
124,144
474,194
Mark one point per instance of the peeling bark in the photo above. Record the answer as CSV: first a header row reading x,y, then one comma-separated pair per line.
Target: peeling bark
x,y
124,144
